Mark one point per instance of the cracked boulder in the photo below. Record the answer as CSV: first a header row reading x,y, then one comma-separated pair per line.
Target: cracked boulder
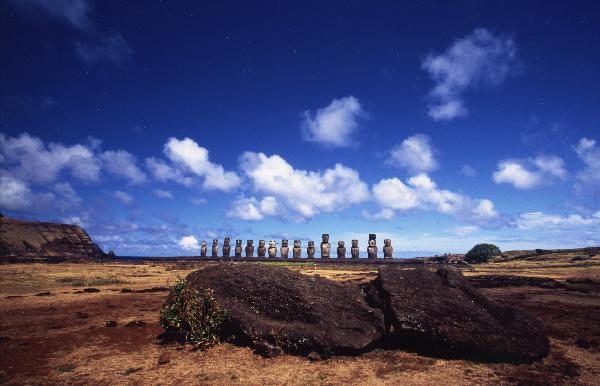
x,y
276,310
440,313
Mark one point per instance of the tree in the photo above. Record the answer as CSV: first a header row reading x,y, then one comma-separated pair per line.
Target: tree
x,y
482,253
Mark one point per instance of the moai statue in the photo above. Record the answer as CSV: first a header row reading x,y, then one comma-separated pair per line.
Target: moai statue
x,y
285,249
372,248
250,248
325,246
387,249
203,249
310,251
215,248
354,250
272,248
226,247
341,250
262,250
297,251
238,248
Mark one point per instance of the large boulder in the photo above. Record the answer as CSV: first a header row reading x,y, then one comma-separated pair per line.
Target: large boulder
x,y
274,310
440,313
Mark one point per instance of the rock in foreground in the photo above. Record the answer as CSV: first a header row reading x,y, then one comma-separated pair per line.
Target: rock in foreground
x,y
276,310
440,313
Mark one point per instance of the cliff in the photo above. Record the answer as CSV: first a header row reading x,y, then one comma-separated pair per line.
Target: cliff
x,y
55,242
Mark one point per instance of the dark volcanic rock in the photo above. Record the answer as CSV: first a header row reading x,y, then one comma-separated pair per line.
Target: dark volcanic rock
x,y
440,313
274,310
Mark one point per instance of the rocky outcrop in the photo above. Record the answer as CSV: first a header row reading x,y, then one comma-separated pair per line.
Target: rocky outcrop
x,y
30,239
274,310
440,313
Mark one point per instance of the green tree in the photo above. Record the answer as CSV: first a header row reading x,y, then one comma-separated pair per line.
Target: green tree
x,y
482,253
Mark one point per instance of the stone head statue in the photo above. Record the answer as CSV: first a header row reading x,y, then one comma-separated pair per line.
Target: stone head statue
x,y
311,244
250,243
261,243
284,243
341,243
297,243
227,241
387,242
238,243
272,244
215,242
372,243
325,237
355,243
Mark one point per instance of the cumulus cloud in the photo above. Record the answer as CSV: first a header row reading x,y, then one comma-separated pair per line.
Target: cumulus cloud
x,y
123,164
163,172
479,59
335,124
414,154
15,194
187,156
530,173
252,209
160,193
305,193
122,196
421,192
588,179
32,161
189,243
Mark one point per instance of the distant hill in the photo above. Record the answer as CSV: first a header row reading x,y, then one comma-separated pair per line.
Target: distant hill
x,y
23,240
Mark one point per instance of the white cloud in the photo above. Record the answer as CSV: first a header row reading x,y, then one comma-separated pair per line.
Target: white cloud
x,y
124,197
414,154
187,154
530,173
533,220
163,172
189,243
123,164
335,124
589,177
160,193
479,59
28,158
306,193
465,230
383,214
420,192
251,209
468,171
15,194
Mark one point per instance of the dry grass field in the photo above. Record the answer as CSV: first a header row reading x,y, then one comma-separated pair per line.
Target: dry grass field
x,y
53,331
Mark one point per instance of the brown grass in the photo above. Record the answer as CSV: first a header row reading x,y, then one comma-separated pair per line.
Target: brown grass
x,y
62,338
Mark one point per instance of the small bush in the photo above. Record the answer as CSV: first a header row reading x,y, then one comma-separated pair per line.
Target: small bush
x,y
482,253
82,281
192,315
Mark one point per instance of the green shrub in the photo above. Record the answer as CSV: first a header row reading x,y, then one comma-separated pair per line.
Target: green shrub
x,y
482,253
192,315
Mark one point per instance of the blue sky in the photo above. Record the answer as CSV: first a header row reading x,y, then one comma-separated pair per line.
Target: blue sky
x,y
437,125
